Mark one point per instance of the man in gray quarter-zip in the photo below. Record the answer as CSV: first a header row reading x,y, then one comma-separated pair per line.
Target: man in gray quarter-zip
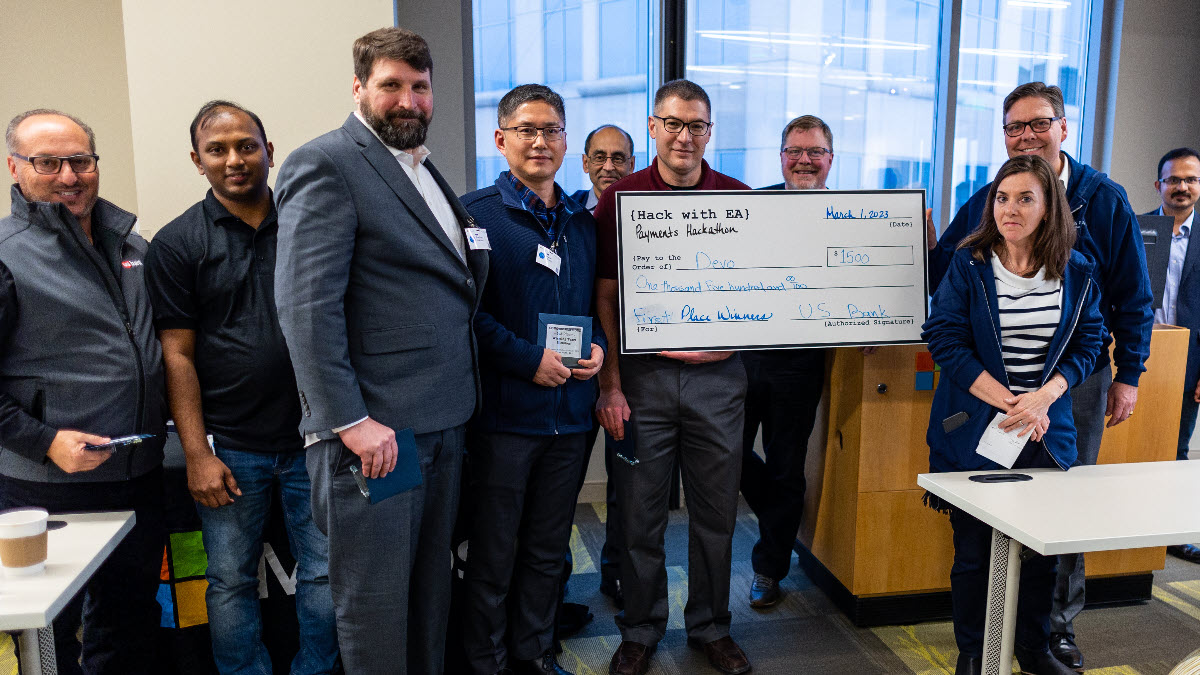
x,y
79,365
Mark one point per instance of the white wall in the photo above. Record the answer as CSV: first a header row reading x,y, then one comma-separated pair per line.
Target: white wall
x,y
1158,93
287,60
84,75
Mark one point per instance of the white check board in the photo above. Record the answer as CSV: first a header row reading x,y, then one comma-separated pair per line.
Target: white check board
x,y
765,269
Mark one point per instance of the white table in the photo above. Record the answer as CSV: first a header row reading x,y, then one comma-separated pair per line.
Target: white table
x,y
1089,508
75,552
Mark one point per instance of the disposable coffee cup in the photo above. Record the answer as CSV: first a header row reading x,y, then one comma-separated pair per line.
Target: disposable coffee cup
x,y
23,541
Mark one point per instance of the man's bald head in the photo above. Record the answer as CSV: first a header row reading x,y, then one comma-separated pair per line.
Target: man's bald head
x,y
12,136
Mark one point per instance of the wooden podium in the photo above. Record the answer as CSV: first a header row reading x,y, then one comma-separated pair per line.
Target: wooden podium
x,y
867,539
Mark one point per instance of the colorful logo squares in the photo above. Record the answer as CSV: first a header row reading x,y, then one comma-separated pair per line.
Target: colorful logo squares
x,y
927,373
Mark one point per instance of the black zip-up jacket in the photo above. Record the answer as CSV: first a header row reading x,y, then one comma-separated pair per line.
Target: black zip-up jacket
x,y
77,343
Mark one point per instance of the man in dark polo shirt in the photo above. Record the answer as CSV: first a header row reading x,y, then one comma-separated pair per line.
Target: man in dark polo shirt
x,y
211,274
686,406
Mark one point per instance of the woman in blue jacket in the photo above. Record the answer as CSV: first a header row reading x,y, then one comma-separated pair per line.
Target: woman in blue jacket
x,y
1014,325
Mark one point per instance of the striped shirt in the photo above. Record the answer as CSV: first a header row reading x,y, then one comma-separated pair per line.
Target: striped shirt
x,y
1029,313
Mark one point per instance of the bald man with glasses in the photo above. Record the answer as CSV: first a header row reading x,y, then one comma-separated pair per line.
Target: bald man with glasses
x,y
80,364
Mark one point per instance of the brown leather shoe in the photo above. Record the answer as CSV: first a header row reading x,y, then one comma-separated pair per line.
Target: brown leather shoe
x,y
724,654
631,658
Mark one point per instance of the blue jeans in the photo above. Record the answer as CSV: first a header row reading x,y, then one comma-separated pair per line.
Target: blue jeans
x,y
233,539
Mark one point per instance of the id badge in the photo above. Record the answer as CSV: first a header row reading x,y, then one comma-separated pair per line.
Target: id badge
x,y
548,259
477,239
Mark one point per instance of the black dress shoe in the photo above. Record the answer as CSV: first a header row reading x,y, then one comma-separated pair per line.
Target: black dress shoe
x,y
764,592
572,618
612,588
968,665
631,658
1041,663
1062,646
1186,552
545,664
723,654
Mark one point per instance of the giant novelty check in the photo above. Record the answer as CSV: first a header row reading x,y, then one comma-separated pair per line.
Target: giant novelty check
x,y
766,269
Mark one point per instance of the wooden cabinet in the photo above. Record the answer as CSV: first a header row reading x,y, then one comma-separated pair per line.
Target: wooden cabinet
x,y
866,532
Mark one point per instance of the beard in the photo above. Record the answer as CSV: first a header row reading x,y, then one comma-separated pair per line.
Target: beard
x,y
399,135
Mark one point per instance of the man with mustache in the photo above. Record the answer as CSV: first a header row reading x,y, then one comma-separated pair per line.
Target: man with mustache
x,y
527,444
211,274
1107,233
1178,185
607,158
377,281
784,389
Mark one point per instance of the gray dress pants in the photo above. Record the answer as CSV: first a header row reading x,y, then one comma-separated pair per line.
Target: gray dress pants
x,y
389,563
693,414
1088,401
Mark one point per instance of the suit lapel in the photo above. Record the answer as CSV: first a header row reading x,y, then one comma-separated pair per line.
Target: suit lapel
x,y
477,260
1190,259
377,154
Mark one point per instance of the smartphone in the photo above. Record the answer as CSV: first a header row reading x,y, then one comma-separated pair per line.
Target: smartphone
x,y
119,442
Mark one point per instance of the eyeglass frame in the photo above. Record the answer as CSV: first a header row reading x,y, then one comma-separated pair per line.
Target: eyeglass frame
x,y
1185,180
1049,122
593,161
707,125
538,131
61,158
805,152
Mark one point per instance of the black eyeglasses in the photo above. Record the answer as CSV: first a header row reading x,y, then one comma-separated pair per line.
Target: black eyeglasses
x,y
49,164
1039,125
794,152
1174,181
674,126
551,134
600,159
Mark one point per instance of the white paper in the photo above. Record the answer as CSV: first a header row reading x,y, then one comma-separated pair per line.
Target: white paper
x,y
564,339
1000,447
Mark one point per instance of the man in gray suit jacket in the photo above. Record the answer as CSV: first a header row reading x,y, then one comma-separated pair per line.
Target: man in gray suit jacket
x,y
377,287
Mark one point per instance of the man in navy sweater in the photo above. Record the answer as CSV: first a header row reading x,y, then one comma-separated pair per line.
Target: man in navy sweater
x,y
527,452
1106,232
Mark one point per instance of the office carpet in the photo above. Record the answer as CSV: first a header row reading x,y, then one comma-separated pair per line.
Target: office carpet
x,y
806,633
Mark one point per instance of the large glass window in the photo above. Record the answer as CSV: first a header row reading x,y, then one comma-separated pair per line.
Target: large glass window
x,y
1006,43
594,53
868,68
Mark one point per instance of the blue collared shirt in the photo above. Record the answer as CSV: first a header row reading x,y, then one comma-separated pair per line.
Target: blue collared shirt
x,y
533,204
1179,245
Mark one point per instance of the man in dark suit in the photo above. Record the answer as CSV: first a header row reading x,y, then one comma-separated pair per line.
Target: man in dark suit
x,y
783,391
1178,184
377,282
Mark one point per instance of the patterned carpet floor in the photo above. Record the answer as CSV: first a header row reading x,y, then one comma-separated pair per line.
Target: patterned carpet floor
x,y
806,633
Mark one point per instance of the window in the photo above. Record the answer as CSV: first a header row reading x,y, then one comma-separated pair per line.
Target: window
x,y
1006,43
868,69
594,53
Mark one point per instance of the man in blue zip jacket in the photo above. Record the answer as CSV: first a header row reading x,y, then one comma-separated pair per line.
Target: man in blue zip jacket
x,y
1107,233
527,450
